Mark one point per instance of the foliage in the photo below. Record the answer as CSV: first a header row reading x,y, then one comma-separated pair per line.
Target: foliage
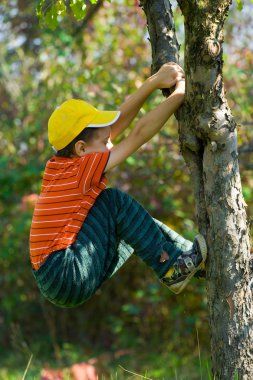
x,y
49,12
101,61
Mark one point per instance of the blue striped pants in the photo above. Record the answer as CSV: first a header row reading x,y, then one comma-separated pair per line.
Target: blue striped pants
x,y
116,226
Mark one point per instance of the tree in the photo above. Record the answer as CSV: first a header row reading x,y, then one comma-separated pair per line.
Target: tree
x,y
207,133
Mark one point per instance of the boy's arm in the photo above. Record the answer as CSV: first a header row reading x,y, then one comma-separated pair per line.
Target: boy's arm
x,y
164,78
132,105
147,126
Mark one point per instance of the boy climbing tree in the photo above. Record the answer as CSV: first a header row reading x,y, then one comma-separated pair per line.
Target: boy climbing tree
x,y
83,232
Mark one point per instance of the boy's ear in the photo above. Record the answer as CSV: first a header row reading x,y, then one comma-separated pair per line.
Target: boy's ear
x,y
80,147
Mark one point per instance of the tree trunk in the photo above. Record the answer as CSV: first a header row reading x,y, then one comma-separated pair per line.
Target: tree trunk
x,y
207,133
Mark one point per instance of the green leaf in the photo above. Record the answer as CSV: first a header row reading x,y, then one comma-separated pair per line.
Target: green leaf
x,y
95,1
61,8
78,8
240,4
39,8
39,12
51,17
48,12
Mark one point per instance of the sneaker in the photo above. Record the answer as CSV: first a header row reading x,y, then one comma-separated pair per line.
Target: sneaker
x,y
186,266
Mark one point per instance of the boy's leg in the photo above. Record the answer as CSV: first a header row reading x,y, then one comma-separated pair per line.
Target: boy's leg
x,y
116,226
148,237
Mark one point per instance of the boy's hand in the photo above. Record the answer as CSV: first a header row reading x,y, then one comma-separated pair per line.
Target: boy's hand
x,y
180,85
168,75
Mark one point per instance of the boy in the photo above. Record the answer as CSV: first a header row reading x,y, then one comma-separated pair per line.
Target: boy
x,y
81,232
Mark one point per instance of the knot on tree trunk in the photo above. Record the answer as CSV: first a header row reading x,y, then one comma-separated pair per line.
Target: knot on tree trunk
x,y
212,48
216,126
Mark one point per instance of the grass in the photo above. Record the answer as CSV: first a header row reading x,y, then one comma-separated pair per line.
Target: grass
x,y
136,366
27,367
122,373
132,365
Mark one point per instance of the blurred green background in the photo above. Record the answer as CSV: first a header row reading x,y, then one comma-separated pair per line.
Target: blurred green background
x,y
132,321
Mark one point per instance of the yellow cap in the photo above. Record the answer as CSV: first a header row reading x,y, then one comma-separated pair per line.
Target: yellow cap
x,y
71,117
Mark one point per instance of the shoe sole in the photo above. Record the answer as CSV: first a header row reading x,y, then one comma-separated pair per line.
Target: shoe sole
x,y
203,249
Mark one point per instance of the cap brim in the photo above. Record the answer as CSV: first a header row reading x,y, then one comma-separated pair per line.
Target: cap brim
x,y
104,119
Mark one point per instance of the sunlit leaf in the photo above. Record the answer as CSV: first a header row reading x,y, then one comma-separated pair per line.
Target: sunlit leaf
x,y
39,8
61,8
78,8
48,10
239,4
51,17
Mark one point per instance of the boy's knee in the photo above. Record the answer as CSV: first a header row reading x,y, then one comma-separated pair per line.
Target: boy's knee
x,y
116,196
111,191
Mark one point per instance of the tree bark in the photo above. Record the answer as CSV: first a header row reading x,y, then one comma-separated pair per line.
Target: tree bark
x,y
207,133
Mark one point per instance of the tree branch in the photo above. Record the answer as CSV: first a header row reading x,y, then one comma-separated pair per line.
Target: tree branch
x,y
166,48
164,44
